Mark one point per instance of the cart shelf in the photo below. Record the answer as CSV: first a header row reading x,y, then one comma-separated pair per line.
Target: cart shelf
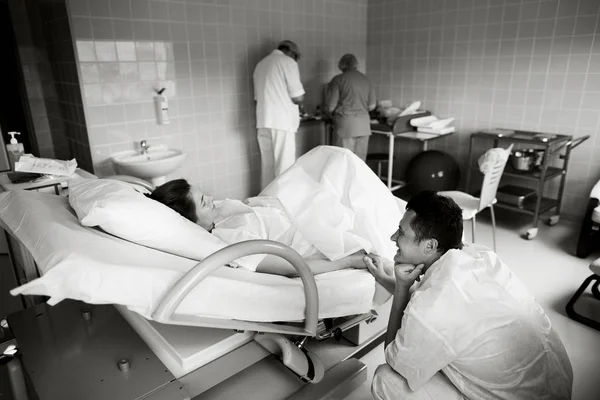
x,y
528,206
536,174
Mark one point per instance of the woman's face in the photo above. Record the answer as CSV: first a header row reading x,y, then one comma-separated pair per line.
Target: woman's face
x,y
205,208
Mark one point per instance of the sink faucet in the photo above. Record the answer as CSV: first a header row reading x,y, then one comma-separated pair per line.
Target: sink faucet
x,y
145,146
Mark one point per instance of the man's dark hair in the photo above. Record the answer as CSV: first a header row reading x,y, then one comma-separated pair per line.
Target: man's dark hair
x,y
176,195
290,48
437,217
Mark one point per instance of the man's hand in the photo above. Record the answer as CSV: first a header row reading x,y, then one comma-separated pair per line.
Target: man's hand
x,y
407,274
382,270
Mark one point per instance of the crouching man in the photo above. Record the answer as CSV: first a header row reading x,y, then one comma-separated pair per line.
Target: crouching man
x,y
467,328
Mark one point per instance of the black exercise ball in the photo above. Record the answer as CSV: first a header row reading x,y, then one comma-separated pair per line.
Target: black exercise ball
x,y
433,170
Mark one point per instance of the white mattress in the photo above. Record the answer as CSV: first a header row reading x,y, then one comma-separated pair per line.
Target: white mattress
x,y
89,265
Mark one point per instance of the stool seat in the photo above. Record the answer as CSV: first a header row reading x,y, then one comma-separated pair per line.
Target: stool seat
x,y
469,204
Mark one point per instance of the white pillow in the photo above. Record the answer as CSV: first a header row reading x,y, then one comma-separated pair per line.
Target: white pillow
x,y
120,210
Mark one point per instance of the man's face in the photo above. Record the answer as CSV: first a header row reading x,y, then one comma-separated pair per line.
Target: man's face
x,y
409,251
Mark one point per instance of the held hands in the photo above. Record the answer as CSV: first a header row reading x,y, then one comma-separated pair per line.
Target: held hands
x,y
382,270
379,266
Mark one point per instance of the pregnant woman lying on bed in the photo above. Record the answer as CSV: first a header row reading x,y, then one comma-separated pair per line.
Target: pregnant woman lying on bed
x,y
235,221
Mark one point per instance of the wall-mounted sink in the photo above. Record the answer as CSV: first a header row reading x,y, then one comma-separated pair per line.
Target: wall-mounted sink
x,y
153,166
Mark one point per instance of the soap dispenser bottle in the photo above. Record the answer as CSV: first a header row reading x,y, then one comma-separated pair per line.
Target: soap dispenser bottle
x,y
162,107
15,149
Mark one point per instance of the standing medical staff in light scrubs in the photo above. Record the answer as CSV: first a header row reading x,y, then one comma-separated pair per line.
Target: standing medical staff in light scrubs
x,y
350,97
278,93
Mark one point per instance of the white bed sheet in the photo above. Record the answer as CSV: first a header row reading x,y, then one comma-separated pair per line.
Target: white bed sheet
x,y
89,265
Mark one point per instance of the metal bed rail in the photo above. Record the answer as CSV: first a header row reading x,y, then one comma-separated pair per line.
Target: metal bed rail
x,y
165,310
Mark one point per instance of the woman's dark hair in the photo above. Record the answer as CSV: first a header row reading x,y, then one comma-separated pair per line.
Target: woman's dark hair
x,y
437,217
347,62
176,195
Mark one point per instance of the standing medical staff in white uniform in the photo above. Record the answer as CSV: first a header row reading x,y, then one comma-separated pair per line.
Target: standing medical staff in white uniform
x,y
278,93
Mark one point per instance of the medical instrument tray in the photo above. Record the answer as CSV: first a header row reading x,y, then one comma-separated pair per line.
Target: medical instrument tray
x,y
515,195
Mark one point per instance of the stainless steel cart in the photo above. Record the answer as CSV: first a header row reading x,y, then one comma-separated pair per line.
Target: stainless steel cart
x,y
551,144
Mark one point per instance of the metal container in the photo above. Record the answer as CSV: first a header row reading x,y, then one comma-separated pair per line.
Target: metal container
x,y
526,159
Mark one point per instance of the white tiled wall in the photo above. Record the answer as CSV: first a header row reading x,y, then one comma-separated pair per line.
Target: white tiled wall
x,y
526,64
204,53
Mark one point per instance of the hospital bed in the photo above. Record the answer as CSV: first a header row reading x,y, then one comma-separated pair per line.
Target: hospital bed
x,y
78,350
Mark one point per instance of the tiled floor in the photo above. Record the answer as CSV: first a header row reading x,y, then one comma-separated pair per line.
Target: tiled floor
x,y
552,273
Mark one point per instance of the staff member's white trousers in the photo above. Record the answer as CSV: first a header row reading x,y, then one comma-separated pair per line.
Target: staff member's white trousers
x,y
277,151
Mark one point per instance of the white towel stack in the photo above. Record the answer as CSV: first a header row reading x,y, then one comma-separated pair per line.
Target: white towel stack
x,y
434,125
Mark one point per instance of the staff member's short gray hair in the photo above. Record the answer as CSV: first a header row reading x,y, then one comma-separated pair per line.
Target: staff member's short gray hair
x,y
290,49
348,61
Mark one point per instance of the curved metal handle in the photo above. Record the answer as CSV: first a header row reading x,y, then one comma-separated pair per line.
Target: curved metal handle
x,y
571,144
181,289
576,142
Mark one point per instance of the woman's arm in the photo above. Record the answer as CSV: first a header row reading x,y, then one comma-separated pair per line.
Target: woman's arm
x,y
278,266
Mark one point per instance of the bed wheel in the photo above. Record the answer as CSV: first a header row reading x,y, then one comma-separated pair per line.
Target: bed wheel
x,y
337,334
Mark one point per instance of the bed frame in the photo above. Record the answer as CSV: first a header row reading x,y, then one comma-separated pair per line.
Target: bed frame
x,y
76,356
